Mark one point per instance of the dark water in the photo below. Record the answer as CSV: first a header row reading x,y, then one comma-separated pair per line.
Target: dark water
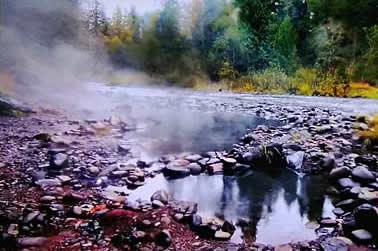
x,y
278,206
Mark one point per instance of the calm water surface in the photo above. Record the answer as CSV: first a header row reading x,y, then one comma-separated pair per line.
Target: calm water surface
x,y
278,206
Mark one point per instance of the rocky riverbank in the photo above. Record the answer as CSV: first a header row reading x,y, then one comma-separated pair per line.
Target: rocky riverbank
x,y
54,171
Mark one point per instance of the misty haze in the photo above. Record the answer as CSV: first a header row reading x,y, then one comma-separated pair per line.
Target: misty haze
x,y
188,125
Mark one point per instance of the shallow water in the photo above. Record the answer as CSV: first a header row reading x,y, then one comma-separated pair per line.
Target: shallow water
x,y
278,206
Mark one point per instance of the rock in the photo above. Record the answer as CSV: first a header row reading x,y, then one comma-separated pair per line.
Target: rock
x,y
328,222
177,169
117,214
229,161
334,244
178,217
362,174
368,194
124,149
64,179
157,204
94,170
196,220
31,216
42,136
140,235
328,162
195,169
165,220
47,198
348,204
13,230
193,157
252,156
338,173
31,241
347,183
161,196
220,235
215,168
285,247
338,211
77,210
164,238
362,236
59,161
228,227
366,217
295,160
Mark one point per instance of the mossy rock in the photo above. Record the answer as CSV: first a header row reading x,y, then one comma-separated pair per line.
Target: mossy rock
x,y
10,107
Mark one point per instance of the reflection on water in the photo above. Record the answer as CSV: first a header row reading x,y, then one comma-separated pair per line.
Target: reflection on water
x,y
175,131
276,206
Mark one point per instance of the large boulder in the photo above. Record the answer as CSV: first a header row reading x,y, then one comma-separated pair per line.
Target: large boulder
x,y
295,160
366,217
177,169
362,174
9,107
339,173
270,156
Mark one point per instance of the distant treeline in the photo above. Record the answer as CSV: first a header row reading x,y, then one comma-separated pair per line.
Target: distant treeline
x,y
324,47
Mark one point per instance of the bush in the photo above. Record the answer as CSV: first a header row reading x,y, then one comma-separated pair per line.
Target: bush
x,y
273,80
370,136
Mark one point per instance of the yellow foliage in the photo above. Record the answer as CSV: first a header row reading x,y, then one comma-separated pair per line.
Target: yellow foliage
x,y
370,136
113,44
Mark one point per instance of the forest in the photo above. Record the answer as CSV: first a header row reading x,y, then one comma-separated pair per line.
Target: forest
x,y
307,47
310,47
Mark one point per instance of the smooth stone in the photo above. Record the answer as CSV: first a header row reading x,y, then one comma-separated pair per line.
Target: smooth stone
x,y
348,204
31,216
366,217
77,210
157,204
216,168
160,195
285,247
196,220
49,182
193,157
195,169
178,217
362,174
362,235
338,211
334,244
220,235
368,194
347,183
59,161
47,198
64,179
339,172
94,170
32,241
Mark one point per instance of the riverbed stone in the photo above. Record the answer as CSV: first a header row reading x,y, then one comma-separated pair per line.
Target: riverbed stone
x,y
59,161
160,195
334,244
339,172
366,217
347,183
31,241
195,169
177,169
220,235
164,238
295,160
157,204
368,194
362,174
362,235
193,157
216,168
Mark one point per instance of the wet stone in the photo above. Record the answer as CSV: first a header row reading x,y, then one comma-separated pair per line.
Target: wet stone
x,y
362,174
347,183
220,235
31,241
59,161
338,173
362,236
157,204
195,169
161,196
334,244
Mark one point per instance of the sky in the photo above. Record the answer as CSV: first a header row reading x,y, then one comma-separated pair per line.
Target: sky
x,y
141,6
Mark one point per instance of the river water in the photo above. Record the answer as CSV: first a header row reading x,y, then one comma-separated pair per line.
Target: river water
x,y
278,208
